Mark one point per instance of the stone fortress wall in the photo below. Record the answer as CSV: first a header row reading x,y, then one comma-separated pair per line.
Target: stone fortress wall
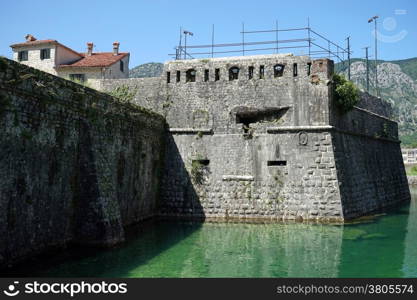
x,y
76,166
270,145
256,138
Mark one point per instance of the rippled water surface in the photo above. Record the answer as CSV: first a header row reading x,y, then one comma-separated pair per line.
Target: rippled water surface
x,y
382,247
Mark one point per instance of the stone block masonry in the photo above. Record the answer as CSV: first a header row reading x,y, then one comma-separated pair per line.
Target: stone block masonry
x,y
260,137
76,166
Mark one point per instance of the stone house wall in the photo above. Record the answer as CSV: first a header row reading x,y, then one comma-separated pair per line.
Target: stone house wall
x,y
34,58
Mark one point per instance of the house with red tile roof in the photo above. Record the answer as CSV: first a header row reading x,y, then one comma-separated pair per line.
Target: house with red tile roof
x,y
55,58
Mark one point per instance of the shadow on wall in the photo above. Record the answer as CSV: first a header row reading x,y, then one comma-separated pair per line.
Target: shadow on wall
x,y
179,197
91,226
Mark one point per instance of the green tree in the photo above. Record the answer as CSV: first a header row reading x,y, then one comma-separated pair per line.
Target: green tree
x,y
346,94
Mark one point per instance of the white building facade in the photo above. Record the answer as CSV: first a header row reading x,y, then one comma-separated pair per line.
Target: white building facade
x,y
55,58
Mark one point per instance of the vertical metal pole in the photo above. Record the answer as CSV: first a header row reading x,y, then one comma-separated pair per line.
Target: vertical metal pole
x,y
376,61
348,49
243,39
328,42
337,52
309,40
180,47
276,35
212,40
185,46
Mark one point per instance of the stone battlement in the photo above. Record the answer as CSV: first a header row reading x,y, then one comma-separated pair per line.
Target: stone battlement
x,y
265,67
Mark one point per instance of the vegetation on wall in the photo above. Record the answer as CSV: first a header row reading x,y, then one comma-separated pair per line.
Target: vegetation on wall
x,y
124,93
346,94
412,171
81,82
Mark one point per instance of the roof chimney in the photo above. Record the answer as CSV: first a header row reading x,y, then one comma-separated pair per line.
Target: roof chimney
x,y
30,38
116,48
90,48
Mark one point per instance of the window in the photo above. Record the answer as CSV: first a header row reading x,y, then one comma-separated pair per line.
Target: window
x,y
294,70
278,70
190,75
308,69
122,66
22,55
45,53
217,74
77,77
261,72
250,73
206,75
271,163
178,76
168,77
233,73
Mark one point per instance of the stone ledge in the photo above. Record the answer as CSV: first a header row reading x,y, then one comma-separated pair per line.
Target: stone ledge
x,y
237,178
298,128
327,128
191,130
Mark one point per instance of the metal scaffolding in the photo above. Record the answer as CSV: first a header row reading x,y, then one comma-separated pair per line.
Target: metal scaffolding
x,y
309,40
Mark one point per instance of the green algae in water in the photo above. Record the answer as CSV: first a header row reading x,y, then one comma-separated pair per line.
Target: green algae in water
x,y
385,247
375,236
353,234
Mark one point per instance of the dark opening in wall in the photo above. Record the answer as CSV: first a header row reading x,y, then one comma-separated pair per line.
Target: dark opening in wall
x,y
294,70
206,75
261,72
308,69
190,75
271,163
247,115
168,77
278,70
250,73
233,73
203,162
217,74
178,76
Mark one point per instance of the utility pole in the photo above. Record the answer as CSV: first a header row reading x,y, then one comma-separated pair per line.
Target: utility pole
x,y
367,69
373,19
212,39
186,32
179,50
348,53
243,39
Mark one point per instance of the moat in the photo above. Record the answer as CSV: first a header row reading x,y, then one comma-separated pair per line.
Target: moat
x,y
383,246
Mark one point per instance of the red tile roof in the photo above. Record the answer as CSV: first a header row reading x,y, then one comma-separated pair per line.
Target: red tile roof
x,y
101,59
37,42
40,42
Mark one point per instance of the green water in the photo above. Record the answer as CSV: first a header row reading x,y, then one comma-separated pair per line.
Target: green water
x,y
382,247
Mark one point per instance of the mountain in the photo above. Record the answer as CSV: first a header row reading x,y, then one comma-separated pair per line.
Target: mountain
x,y
397,81
146,70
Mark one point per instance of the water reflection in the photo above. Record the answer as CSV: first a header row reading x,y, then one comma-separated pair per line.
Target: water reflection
x,y
383,247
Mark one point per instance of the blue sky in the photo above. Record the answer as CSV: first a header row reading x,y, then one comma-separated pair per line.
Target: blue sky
x,y
149,29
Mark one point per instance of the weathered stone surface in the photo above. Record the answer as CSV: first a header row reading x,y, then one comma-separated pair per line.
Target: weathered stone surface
x,y
304,159
76,166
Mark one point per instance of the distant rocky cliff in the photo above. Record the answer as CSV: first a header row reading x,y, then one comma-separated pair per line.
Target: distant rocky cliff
x,y
398,85
146,70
